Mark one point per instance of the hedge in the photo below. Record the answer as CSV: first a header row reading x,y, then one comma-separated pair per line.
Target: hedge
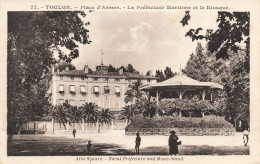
x,y
169,122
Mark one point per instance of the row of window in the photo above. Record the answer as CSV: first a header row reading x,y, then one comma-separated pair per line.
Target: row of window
x,y
96,89
97,79
101,103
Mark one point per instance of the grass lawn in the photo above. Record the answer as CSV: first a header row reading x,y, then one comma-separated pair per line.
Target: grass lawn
x,y
40,145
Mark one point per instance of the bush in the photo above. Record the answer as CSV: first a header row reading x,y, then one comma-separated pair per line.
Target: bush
x,y
179,122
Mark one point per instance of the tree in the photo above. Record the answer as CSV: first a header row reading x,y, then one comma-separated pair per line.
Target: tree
x,y
130,68
166,107
237,87
60,114
127,113
62,66
233,30
160,75
111,68
91,112
105,117
134,94
124,68
199,64
231,42
233,101
75,114
148,109
168,73
33,39
149,73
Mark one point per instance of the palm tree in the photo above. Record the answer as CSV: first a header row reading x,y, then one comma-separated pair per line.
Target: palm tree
x,y
134,94
127,113
105,117
60,113
91,112
75,114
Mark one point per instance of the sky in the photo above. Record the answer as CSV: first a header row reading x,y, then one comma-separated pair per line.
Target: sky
x,y
147,40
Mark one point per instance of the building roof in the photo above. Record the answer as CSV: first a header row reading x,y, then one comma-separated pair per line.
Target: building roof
x,y
109,74
182,81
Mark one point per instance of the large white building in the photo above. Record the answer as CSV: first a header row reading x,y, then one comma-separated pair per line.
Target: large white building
x,y
105,89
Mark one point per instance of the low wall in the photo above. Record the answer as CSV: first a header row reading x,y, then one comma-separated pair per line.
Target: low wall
x,y
182,131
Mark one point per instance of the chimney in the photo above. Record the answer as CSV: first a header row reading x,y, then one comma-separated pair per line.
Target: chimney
x,y
120,71
67,69
86,69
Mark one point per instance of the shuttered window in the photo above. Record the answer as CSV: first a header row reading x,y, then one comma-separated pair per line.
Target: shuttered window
x,y
117,90
61,88
96,90
82,89
72,88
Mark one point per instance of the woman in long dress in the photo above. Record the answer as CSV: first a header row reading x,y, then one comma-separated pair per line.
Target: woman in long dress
x,y
173,145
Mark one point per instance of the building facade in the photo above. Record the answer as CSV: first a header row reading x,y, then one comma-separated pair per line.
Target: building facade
x,y
105,89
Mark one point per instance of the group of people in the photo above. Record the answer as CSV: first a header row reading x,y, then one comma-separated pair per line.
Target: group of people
x,y
173,143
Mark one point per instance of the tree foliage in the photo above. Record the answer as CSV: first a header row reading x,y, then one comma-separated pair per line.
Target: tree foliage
x,y
149,73
127,113
164,75
33,40
198,64
160,75
105,117
233,101
168,73
111,68
231,42
134,94
65,113
232,34
91,112
62,66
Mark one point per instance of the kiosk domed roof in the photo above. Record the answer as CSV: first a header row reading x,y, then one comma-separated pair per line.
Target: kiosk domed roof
x,y
182,81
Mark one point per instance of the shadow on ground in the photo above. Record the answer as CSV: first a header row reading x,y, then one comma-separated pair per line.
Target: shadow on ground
x,y
31,145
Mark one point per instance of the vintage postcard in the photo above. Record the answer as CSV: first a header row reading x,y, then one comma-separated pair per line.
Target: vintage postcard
x,y
130,81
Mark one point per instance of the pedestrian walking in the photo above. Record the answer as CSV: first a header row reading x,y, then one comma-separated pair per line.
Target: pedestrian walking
x,y
99,128
89,145
245,136
137,143
74,132
173,143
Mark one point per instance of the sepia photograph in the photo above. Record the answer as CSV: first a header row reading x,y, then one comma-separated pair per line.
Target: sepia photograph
x,y
128,82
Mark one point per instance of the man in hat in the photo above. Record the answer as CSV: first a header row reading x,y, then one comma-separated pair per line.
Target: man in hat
x,y
173,144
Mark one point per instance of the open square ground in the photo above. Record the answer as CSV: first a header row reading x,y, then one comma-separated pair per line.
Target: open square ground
x,y
116,143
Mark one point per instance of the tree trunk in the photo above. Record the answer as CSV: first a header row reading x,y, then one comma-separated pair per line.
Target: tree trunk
x,y
180,113
235,123
20,128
